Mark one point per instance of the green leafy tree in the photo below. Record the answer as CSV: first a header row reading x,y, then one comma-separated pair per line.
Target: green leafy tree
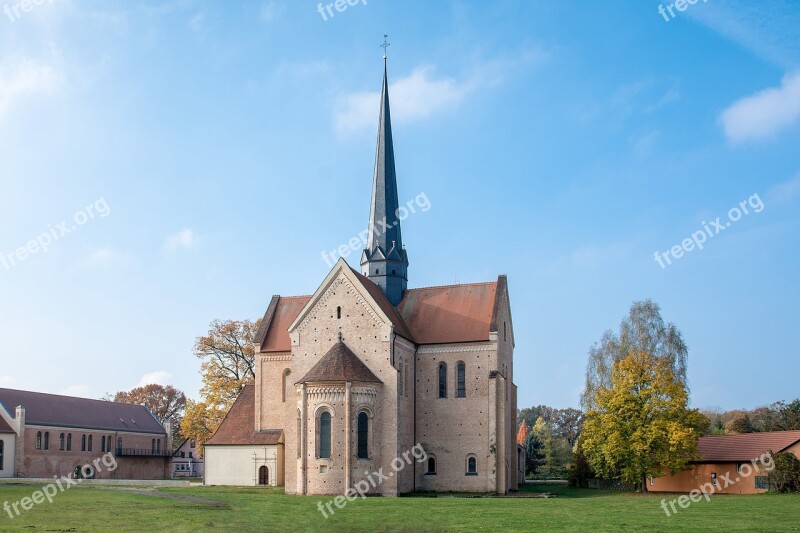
x,y
643,330
785,477
641,423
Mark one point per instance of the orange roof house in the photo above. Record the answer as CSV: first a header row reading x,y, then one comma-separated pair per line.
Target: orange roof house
x,y
730,463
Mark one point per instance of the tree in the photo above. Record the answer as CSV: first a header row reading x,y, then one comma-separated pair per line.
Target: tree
x,y
567,425
643,330
533,454
739,422
786,474
788,415
641,424
165,402
228,363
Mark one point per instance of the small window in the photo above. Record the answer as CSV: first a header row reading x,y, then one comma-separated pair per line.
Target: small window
x,y
431,466
119,444
376,271
325,435
103,443
83,442
442,380
714,478
339,312
762,482
363,435
394,272
183,454
158,446
190,455
461,378
38,440
472,466
61,442
652,481
46,440
152,445
90,443
2,452
69,442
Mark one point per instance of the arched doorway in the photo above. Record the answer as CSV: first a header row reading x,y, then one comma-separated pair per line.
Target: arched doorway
x,y
263,476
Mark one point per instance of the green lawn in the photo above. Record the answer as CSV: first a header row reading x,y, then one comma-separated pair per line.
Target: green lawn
x,y
254,509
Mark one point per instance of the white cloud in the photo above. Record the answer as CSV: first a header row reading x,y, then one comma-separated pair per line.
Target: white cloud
x,y
76,390
183,239
413,97
104,258
159,377
786,192
765,113
25,77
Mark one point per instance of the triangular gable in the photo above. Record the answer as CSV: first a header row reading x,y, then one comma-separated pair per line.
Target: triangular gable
x,y
384,311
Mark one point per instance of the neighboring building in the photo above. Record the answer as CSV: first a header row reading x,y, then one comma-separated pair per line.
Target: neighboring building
x,y
185,462
725,461
46,435
355,375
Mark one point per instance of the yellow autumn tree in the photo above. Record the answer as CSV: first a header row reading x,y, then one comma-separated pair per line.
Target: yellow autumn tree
x,y
641,424
227,363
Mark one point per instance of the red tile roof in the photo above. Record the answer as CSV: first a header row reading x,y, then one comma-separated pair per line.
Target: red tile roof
x,y
4,427
746,446
238,426
453,313
67,411
340,364
429,315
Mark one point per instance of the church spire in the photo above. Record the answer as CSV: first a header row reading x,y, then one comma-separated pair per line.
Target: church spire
x,y
384,260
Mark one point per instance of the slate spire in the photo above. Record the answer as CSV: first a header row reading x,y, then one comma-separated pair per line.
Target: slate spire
x,y
384,260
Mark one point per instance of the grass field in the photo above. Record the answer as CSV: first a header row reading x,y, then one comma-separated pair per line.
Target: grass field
x,y
255,509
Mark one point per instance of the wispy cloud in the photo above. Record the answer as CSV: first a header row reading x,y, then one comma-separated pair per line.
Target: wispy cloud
x,y
104,258
183,239
159,377
765,113
786,192
24,77
629,99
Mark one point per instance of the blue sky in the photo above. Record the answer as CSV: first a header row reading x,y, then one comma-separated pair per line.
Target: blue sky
x,y
223,146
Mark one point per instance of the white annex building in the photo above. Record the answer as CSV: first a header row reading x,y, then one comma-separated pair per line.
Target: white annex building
x,y
355,375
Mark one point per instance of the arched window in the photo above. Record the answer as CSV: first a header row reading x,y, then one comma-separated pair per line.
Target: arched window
x,y
2,451
110,443
284,394
38,440
90,443
431,471
472,466
103,444
69,442
61,442
83,442
442,380
461,380
363,435
46,440
324,435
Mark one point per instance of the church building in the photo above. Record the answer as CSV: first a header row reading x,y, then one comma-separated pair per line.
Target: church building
x,y
357,374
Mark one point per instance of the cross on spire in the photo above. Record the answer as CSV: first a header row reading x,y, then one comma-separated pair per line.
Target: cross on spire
x,y
385,44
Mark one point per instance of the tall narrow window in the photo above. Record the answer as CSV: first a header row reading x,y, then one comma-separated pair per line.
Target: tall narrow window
x,y
472,466
461,380
69,442
119,444
61,442
363,435
103,444
2,450
325,435
338,312
431,466
285,384
442,380
158,446
83,442
38,440
90,443
46,440
152,445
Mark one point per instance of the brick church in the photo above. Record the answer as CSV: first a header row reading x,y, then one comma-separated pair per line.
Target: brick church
x,y
355,375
